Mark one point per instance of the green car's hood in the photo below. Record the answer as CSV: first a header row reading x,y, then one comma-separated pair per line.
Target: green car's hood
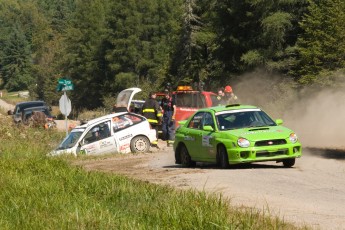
x,y
262,133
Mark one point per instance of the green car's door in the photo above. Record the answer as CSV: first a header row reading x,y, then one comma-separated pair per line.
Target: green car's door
x,y
193,136
207,151
200,143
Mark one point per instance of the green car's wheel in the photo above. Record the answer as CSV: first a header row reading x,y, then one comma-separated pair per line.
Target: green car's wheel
x,y
186,160
222,157
288,163
140,144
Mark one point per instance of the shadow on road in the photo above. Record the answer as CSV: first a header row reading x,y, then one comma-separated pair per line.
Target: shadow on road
x,y
337,154
256,165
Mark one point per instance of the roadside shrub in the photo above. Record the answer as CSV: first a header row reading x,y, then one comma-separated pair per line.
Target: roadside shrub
x,y
91,114
19,141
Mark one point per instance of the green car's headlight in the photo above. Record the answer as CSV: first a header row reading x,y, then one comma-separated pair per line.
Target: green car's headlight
x,y
243,142
293,138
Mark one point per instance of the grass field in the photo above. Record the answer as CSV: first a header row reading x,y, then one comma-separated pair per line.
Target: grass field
x,y
39,192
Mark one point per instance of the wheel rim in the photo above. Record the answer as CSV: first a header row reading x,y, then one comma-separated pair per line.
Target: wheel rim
x,y
140,145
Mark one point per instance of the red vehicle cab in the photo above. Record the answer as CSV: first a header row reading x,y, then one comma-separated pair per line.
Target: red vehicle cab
x,y
189,101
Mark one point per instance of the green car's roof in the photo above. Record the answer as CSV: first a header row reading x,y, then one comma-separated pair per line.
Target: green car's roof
x,y
229,107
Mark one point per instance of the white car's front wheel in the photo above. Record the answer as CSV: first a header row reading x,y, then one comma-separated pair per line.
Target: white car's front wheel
x,y
140,144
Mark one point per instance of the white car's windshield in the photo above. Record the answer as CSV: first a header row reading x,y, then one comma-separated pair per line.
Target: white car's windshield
x,y
70,140
243,119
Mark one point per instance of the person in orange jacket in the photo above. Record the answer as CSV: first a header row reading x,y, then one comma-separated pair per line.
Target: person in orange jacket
x,y
229,96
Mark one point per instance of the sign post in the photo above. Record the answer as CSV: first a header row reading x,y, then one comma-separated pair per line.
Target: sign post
x,y
65,105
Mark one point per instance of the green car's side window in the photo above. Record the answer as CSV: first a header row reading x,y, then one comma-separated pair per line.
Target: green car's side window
x,y
208,120
196,121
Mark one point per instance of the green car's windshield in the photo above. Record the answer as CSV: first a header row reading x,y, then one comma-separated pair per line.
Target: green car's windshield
x,y
243,119
70,140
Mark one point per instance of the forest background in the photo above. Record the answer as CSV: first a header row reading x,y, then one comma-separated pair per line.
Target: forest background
x,y
105,46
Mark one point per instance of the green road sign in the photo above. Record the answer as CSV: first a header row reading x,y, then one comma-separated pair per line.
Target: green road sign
x,y
64,85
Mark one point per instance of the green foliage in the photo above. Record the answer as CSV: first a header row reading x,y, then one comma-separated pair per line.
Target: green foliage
x,y
18,140
321,45
143,35
83,60
275,27
15,59
257,34
105,46
252,58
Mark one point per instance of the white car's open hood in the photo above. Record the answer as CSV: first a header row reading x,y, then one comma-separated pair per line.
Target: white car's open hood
x,y
125,97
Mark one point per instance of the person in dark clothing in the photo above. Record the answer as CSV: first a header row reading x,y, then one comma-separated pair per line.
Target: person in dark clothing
x,y
221,97
152,111
168,123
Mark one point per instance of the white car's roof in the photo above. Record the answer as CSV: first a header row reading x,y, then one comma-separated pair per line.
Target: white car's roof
x,y
98,119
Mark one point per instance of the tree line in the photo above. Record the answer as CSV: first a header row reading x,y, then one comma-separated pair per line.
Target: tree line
x,y
105,46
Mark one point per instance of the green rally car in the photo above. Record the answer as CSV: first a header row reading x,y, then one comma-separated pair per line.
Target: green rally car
x,y
234,134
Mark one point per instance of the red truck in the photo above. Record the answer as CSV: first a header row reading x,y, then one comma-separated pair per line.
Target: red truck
x,y
189,101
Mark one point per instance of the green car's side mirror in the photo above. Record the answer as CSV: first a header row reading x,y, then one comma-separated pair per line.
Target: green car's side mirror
x,y
182,122
208,128
279,121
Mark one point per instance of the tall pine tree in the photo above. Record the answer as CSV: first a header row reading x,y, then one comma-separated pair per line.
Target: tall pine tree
x,y
322,43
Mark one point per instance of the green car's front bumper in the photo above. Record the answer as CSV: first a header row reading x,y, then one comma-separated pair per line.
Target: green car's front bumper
x,y
266,153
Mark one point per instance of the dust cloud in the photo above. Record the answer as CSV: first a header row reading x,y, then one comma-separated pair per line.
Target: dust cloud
x,y
319,119
317,116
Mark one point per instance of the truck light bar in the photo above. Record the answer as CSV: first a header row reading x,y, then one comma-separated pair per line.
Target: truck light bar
x,y
184,88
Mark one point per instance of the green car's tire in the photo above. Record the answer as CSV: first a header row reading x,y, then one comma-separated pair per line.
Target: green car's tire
x,y
186,160
140,144
288,163
222,157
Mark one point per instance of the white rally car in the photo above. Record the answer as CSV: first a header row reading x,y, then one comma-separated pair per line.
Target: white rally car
x,y
120,132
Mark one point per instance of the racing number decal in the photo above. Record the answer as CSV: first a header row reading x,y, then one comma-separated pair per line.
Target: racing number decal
x,y
90,149
206,141
104,143
189,138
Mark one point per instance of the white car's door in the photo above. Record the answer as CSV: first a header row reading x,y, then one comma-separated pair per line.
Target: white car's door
x,y
123,138
98,140
124,128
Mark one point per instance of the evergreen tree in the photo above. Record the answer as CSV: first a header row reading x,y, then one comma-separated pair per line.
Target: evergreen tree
x,y
83,59
257,33
322,44
15,61
143,34
184,60
52,20
16,48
